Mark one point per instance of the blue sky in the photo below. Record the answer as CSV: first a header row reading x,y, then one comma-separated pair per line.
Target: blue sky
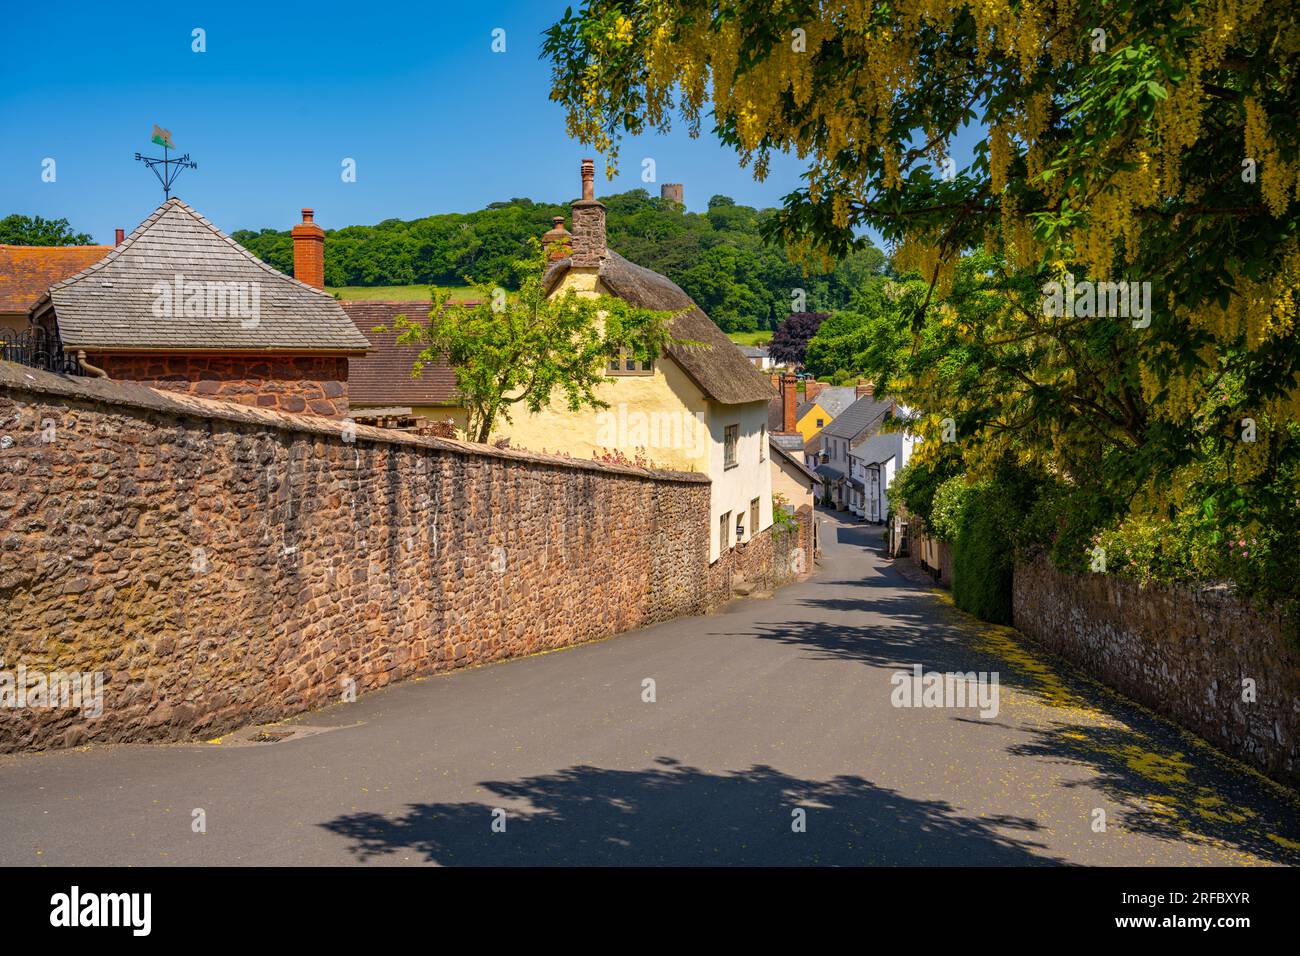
x,y
435,121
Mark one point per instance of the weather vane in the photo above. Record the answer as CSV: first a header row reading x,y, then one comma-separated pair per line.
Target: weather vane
x,y
171,168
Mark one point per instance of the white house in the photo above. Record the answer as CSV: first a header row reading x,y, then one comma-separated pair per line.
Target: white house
x,y
874,460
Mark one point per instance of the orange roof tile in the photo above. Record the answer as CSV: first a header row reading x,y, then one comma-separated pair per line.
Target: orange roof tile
x,y
27,272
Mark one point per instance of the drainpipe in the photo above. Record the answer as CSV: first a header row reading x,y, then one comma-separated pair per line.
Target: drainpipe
x,y
92,369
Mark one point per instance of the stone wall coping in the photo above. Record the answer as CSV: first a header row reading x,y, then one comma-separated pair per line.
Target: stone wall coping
x,y
19,378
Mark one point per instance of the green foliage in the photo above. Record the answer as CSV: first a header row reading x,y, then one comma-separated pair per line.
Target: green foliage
x,y
948,511
1133,160
781,518
525,348
983,554
718,257
915,486
18,230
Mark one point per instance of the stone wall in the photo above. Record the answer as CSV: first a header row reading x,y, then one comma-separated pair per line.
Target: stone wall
x,y
768,560
1183,652
223,565
297,384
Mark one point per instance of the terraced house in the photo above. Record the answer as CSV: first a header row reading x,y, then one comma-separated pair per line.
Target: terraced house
x,y
701,406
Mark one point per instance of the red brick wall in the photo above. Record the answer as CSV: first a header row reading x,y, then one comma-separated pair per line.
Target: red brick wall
x,y
298,384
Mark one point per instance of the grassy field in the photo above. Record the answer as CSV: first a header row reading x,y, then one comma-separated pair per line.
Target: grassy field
x,y
750,338
398,293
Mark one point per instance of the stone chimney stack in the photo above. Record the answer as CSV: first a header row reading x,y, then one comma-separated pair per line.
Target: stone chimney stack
x,y
789,400
119,236
556,241
673,191
588,222
865,389
309,251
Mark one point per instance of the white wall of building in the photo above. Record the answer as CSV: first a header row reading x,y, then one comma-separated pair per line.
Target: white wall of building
x,y
735,488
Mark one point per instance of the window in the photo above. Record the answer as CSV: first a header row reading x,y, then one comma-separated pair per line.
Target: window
x,y
762,443
731,435
724,532
625,364
753,517
821,422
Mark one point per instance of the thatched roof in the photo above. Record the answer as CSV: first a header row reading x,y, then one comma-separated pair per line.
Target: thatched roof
x,y
712,361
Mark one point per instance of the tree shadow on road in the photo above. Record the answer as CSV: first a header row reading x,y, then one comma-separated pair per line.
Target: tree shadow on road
x,y
673,814
1170,784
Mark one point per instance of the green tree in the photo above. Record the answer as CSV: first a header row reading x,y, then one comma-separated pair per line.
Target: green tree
x,y
1144,142
526,348
19,230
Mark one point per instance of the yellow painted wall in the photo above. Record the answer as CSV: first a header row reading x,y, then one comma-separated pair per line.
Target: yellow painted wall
x,y
807,426
667,418
439,413
664,414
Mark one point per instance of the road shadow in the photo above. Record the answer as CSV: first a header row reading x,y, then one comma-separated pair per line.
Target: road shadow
x,y
673,814
1170,784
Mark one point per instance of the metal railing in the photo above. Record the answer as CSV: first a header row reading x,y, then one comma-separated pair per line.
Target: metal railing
x,y
37,348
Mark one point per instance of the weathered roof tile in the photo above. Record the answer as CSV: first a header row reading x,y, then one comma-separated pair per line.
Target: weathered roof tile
x,y
112,304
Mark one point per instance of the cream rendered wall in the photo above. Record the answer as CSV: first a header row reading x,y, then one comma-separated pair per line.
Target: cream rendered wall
x,y
663,414
734,488
790,483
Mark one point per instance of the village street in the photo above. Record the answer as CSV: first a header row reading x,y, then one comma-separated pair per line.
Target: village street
x,y
772,706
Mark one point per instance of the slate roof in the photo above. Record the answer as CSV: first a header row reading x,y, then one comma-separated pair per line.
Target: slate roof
x,y
383,375
713,362
833,399
110,305
866,413
27,272
753,351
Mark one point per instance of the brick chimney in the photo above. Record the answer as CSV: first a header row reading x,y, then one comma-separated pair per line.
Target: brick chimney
x,y
119,236
556,241
588,222
865,389
789,399
309,251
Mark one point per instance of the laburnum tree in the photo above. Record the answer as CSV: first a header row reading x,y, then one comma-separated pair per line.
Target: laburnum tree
x,y
529,348
1138,141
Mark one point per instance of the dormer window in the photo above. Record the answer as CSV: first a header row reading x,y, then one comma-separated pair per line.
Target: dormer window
x,y
627,364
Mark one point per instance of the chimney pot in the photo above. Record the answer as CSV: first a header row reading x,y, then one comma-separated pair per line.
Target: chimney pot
x,y
119,236
309,251
588,222
557,241
789,398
